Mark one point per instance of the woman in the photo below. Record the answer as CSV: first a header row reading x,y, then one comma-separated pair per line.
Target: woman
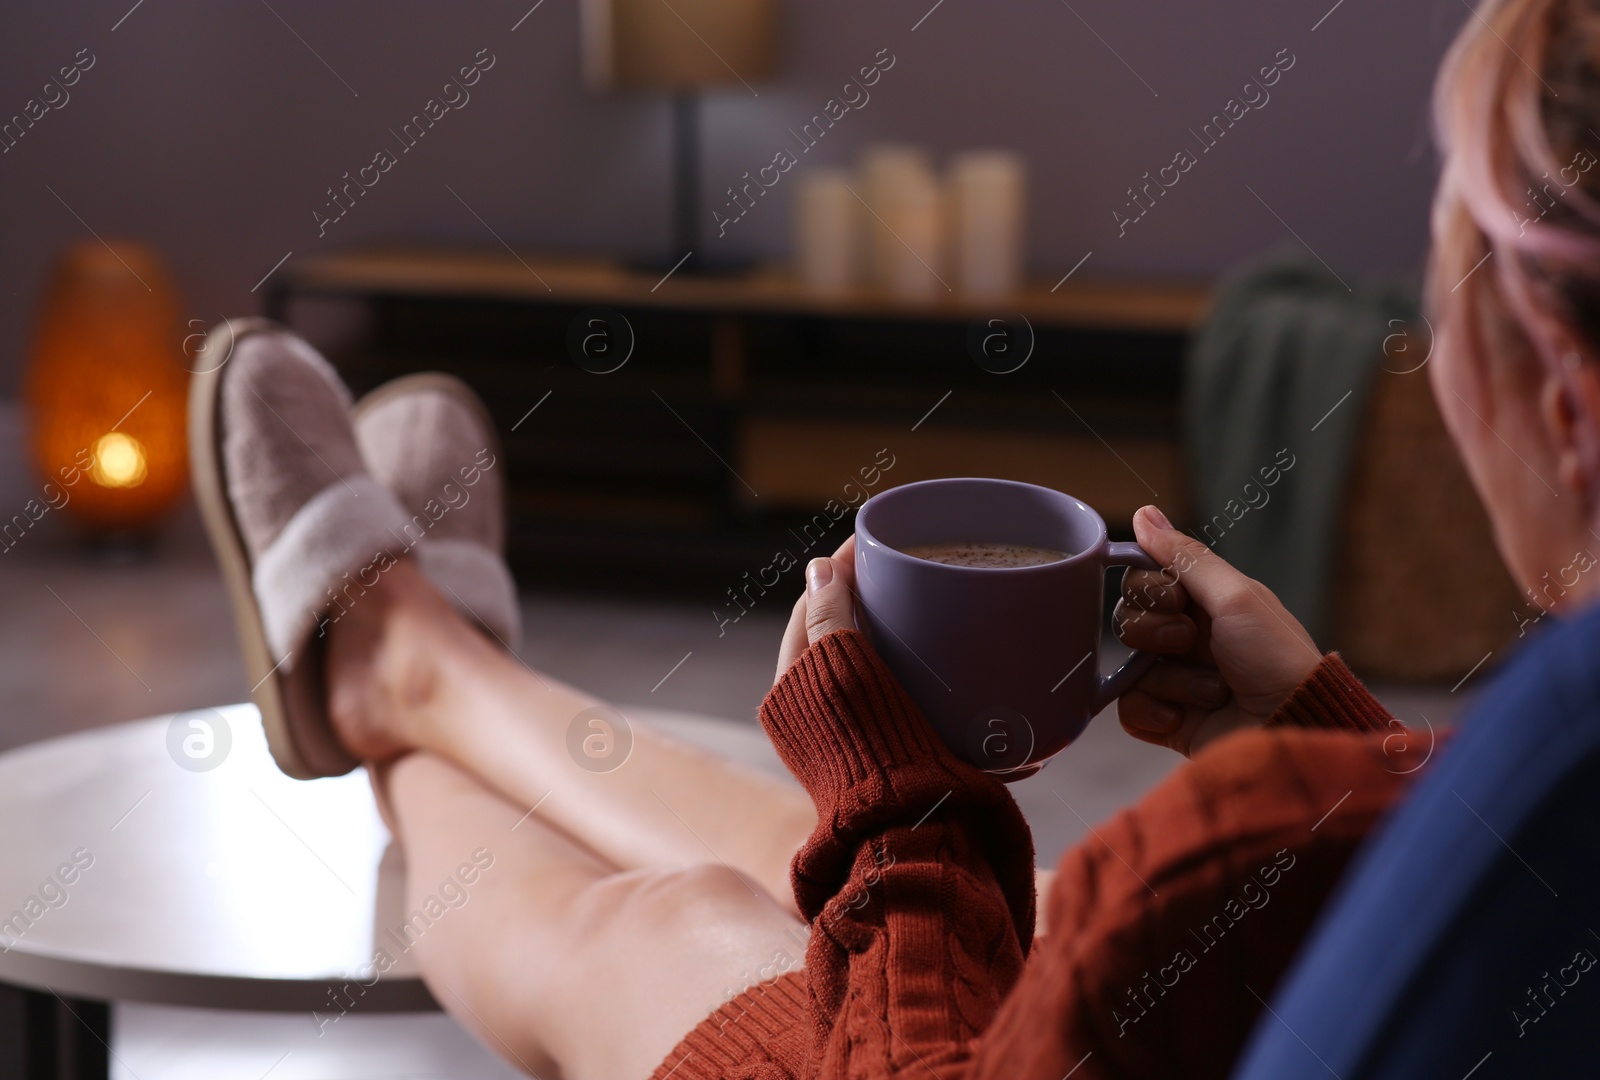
x,y
1465,941
683,915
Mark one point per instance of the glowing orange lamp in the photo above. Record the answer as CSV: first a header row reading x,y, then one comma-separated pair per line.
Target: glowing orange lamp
x,y
105,389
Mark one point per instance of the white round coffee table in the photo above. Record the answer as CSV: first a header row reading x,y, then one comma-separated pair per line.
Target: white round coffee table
x,y
168,861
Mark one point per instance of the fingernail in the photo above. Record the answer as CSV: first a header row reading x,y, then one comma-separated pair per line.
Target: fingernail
x,y
1164,718
818,573
1154,515
1173,636
1210,688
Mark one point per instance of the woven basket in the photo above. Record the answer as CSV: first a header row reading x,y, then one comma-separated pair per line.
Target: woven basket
x,y
1418,588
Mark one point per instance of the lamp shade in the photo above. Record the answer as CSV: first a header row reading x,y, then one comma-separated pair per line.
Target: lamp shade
x,y
678,44
105,391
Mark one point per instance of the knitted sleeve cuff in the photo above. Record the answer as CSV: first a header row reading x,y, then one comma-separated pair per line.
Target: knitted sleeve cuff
x,y
841,721
874,766
1332,698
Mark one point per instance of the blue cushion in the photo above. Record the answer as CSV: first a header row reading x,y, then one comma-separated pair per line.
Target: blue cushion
x,y
1464,936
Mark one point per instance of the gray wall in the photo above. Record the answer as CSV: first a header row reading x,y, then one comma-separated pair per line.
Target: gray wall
x,y
208,129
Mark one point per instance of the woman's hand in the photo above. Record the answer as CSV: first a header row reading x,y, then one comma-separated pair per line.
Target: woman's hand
x,y
828,604
1231,652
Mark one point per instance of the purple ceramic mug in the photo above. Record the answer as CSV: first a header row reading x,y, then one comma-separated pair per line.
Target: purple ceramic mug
x,y
1003,661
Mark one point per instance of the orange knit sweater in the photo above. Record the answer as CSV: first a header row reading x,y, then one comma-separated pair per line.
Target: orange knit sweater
x,y
1169,926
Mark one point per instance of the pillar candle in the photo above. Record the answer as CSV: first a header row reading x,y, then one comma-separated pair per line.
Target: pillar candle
x,y
887,169
987,201
827,230
914,212
905,220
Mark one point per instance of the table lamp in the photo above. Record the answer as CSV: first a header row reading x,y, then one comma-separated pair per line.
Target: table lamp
x,y
680,47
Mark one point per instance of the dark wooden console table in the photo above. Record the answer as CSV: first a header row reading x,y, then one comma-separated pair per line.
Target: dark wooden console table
x,y
747,404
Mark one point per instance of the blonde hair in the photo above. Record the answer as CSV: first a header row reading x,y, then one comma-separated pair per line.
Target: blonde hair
x,y
1517,106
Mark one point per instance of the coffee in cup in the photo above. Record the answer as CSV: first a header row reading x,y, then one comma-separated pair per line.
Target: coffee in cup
x,y
985,554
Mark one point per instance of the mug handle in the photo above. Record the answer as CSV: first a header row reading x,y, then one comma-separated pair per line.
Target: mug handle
x,y
1113,686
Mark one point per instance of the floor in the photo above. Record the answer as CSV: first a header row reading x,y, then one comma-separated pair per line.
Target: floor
x,y
88,639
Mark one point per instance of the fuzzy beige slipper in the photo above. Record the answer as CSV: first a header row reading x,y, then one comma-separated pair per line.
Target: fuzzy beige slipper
x,y
430,440
300,529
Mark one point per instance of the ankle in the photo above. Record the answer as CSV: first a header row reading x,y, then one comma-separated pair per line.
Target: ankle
x,y
385,664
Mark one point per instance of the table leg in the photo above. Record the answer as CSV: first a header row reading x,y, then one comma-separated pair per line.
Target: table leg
x,y
45,1037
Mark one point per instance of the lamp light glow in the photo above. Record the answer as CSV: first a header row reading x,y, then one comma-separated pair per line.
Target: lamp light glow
x,y
119,461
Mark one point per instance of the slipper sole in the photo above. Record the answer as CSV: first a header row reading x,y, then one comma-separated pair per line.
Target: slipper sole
x,y
277,695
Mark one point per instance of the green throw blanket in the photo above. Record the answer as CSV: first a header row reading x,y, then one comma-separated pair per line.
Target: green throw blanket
x,y
1274,396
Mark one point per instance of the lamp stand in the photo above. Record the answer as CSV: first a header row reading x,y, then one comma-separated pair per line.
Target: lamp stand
x,y
686,237
686,178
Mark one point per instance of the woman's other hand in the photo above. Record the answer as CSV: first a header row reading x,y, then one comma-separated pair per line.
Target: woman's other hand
x,y
1231,652
828,604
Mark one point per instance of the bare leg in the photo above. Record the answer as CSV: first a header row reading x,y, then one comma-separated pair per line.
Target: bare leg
x,y
555,958
407,672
